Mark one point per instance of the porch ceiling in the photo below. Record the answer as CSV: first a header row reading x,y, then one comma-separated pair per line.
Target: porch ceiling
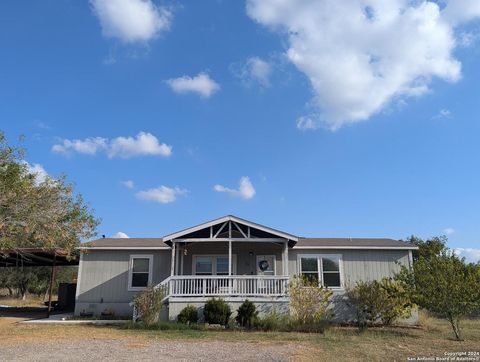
x,y
230,228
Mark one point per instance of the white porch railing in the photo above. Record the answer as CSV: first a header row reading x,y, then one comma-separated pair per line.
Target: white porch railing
x,y
233,285
222,286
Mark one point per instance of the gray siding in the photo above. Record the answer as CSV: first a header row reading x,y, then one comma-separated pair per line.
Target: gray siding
x,y
103,278
358,265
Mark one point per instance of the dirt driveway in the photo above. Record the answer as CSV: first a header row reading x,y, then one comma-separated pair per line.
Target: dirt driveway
x,y
21,342
158,350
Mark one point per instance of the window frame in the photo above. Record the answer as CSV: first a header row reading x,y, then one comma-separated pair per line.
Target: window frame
x,y
214,264
320,271
130,271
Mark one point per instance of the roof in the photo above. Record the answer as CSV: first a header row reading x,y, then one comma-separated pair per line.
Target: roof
x,y
303,243
36,257
125,243
352,243
203,231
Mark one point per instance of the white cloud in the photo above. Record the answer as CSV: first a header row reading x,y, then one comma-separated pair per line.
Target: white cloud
x,y
162,194
470,254
245,190
361,55
460,11
129,184
443,113
306,123
449,231
88,146
144,144
131,20
255,70
200,84
38,171
121,235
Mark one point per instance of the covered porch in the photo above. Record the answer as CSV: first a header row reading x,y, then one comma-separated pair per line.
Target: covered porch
x,y
228,257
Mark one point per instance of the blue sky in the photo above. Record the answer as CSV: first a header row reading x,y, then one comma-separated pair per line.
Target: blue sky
x,y
167,114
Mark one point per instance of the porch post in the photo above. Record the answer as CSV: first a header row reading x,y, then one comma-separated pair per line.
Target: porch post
x,y
229,258
182,253
285,268
230,267
172,266
177,259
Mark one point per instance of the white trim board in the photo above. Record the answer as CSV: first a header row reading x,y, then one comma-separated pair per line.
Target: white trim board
x,y
357,247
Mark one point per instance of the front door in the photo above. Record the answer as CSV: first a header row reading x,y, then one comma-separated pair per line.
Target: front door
x,y
265,264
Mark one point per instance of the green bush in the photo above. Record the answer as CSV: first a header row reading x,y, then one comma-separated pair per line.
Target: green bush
x,y
246,314
149,304
309,303
384,301
217,311
188,315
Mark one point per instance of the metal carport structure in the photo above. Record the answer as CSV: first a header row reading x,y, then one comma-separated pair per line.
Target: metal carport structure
x,y
35,257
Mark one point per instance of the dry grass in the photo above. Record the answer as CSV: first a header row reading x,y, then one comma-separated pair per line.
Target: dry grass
x,y
339,343
30,301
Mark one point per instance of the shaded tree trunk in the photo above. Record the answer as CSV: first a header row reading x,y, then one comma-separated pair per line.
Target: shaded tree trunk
x,y
455,323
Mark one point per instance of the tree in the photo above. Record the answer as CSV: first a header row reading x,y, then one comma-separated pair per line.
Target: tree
x,y
427,248
444,284
39,213
34,280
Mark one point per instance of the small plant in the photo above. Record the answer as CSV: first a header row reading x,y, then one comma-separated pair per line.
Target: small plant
x,y
285,323
149,304
217,311
188,315
246,314
272,322
309,303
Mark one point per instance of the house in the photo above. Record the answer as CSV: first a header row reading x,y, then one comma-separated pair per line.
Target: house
x,y
231,258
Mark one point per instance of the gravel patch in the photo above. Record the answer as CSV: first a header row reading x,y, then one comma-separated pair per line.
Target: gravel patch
x,y
158,350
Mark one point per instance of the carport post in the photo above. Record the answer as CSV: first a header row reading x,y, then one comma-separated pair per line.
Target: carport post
x,y
52,280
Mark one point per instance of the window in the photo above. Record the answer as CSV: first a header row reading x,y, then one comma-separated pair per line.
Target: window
x,y
140,272
331,271
212,264
309,269
203,265
222,265
322,269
